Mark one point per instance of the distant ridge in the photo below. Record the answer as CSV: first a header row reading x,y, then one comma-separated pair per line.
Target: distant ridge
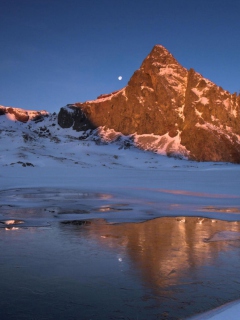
x,y
18,114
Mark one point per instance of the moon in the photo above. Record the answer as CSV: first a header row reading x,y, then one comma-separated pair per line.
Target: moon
x,y
120,78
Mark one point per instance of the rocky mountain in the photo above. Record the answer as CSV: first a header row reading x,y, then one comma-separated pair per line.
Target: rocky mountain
x,y
164,108
167,109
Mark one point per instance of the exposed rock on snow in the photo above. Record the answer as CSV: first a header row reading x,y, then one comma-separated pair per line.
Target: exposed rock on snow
x,y
70,116
164,99
17,114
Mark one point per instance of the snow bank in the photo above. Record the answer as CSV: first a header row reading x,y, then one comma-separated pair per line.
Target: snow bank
x,y
229,311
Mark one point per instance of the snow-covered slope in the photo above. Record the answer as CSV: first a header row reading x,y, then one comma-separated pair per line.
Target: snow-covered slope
x,y
43,143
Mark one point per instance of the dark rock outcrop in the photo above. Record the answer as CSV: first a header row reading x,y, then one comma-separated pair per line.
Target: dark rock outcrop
x,y
169,109
71,116
2,110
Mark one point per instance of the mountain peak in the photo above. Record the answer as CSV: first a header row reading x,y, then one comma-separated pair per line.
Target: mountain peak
x,y
159,55
164,108
169,110
160,50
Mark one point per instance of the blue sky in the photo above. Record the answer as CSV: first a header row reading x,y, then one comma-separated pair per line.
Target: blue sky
x,y
55,52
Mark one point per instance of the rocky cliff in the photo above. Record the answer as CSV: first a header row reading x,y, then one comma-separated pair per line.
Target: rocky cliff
x,y
168,109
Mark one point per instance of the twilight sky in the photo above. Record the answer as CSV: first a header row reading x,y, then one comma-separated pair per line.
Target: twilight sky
x,y
55,52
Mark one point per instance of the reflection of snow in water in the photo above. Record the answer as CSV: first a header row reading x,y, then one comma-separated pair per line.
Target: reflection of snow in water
x,y
11,228
10,225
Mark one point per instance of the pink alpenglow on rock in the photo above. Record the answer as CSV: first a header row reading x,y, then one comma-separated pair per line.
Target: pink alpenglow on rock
x,y
178,111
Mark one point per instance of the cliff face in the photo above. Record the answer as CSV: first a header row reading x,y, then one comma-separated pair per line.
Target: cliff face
x,y
150,103
167,108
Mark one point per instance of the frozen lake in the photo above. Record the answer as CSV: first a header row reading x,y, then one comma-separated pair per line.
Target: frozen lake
x,y
74,254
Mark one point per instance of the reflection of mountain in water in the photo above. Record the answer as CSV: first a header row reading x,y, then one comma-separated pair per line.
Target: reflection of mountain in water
x,y
165,249
176,257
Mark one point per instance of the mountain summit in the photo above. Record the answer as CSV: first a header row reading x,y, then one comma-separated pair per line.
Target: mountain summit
x,y
167,108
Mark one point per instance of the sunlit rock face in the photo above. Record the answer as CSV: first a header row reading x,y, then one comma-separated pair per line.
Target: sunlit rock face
x,y
17,114
168,109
